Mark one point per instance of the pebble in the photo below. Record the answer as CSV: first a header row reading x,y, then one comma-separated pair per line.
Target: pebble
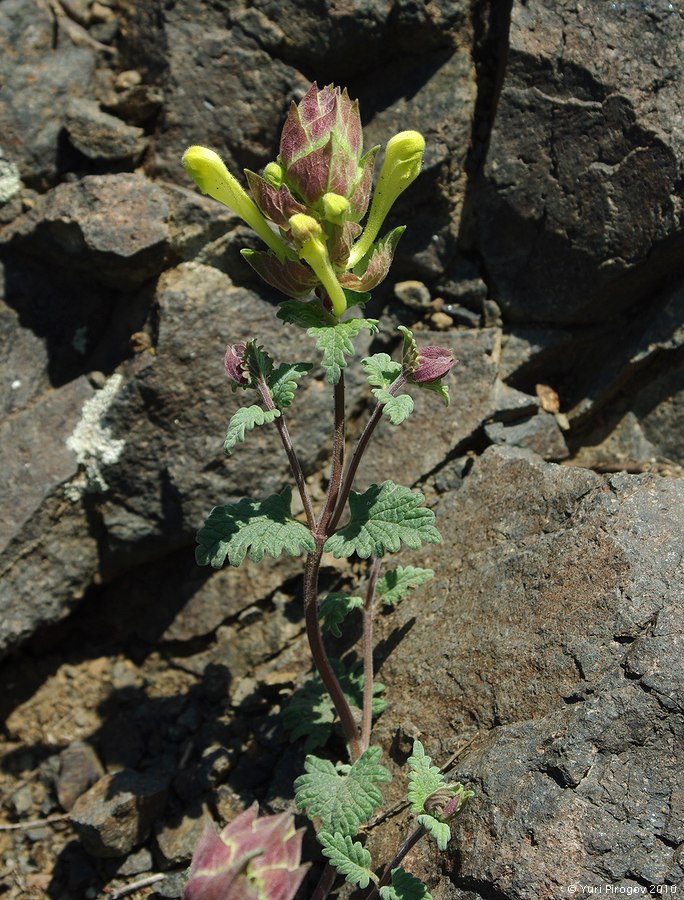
x,y
413,294
79,769
441,321
177,842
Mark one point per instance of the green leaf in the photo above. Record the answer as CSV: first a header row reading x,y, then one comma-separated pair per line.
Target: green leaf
x,y
244,420
356,298
437,387
310,712
381,370
396,408
349,857
283,382
409,353
405,887
335,343
440,831
334,609
424,778
344,796
252,526
396,583
304,314
426,781
381,518
259,363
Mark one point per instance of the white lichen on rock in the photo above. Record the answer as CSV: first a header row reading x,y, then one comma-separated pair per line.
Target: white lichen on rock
x,y
93,443
10,182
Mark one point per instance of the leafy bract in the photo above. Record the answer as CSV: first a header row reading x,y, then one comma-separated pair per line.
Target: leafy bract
x,y
381,370
244,420
349,857
253,527
283,382
304,314
335,343
335,608
381,518
410,356
440,831
341,797
405,887
424,778
396,583
258,363
310,712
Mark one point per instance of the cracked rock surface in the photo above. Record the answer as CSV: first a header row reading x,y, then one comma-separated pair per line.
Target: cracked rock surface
x,y
544,247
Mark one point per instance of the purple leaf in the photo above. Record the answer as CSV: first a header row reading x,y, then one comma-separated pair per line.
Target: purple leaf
x,y
291,276
277,204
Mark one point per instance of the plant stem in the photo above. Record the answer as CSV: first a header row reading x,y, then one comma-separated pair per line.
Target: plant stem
x,y
311,572
325,883
292,457
360,449
367,718
408,844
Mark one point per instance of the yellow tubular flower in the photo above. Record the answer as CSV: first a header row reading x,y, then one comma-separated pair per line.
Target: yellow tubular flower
x,y
209,172
403,159
310,238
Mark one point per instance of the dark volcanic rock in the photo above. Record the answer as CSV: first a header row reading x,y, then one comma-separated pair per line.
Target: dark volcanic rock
x,y
556,608
578,208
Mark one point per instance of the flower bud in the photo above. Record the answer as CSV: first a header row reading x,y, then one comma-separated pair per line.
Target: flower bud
x,y
433,363
255,858
335,208
401,166
309,237
233,362
274,174
446,801
209,172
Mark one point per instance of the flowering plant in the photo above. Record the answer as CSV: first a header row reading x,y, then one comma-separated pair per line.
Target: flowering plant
x,y
308,207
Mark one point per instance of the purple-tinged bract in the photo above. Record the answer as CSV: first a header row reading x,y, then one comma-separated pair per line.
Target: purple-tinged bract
x,y
433,363
233,362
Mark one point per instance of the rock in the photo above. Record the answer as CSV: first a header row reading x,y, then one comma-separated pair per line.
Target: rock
x,y
540,434
461,315
136,863
626,447
100,136
527,351
555,603
116,814
176,842
10,182
509,404
79,769
565,179
435,430
111,228
413,294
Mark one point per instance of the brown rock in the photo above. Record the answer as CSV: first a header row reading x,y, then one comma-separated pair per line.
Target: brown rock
x,y
79,769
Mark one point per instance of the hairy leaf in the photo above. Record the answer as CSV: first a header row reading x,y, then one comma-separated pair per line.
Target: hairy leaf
x,y
405,887
424,778
396,583
252,526
334,609
440,831
335,343
304,314
396,408
381,370
283,382
344,796
258,363
349,857
381,518
244,420
310,712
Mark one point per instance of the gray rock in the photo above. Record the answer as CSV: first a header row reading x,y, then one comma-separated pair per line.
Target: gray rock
x,y
509,404
111,228
527,351
116,814
100,136
413,294
79,769
565,177
550,628
540,434
38,76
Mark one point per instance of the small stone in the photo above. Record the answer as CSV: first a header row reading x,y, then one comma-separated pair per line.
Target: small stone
x,y
79,769
540,434
22,800
462,315
116,814
176,843
128,79
136,863
492,314
101,136
413,294
441,321
549,399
